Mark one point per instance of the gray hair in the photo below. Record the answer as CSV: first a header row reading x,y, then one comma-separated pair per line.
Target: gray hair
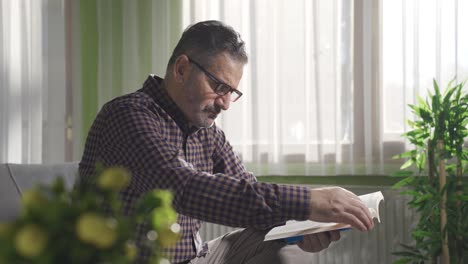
x,y
206,39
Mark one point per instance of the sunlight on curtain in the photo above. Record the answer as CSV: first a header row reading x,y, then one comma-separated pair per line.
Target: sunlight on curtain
x,y
326,86
32,77
313,101
422,41
296,115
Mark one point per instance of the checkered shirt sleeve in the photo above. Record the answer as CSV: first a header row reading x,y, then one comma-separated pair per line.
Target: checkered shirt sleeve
x,y
208,180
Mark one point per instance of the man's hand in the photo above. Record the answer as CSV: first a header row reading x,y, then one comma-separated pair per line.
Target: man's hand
x,y
319,241
335,204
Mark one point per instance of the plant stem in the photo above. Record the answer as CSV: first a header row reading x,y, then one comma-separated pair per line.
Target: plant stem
x,y
430,161
443,205
459,186
459,191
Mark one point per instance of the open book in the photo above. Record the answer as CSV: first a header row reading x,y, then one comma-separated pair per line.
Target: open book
x,y
299,228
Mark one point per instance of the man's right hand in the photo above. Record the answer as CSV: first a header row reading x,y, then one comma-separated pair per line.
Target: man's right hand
x,y
336,204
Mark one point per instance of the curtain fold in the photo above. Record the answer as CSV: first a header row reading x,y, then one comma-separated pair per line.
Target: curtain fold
x,y
32,80
421,41
122,42
328,82
296,115
325,90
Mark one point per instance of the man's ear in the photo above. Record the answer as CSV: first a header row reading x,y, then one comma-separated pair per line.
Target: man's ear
x,y
181,68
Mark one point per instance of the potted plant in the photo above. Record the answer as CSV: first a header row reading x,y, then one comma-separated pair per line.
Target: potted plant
x,y
69,226
437,192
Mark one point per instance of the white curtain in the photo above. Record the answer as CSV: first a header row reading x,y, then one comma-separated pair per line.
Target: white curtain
x,y
32,81
296,115
422,41
130,40
325,91
328,83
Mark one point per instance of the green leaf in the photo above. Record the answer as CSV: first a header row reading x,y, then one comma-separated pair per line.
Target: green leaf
x,y
403,182
403,260
406,164
422,233
423,198
422,103
426,116
406,154
462,198
410,192
402,173
421,161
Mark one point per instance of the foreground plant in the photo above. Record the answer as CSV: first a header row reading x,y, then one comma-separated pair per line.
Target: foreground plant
x,y
61,226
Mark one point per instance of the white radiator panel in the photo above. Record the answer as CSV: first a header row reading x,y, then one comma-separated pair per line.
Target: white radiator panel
x,y
356,247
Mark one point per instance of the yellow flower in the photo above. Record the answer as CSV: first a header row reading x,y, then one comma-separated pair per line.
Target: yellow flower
x,y
130,250
97,230
30,241
114,179
163,217
5,228
33,198
168,237
165,197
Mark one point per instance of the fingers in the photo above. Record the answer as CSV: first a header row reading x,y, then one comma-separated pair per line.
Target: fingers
x,y
335,204
364,214
311,243
360,211
324,239
334,235
319,241
353,221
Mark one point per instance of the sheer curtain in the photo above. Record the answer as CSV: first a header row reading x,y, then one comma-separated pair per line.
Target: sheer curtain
x,y
297,113
32,81
121,43
422,41
326,88
328,82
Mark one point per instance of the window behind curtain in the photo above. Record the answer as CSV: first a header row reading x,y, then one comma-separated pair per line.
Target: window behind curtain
x,y
296,117
33,85
328,82
326,88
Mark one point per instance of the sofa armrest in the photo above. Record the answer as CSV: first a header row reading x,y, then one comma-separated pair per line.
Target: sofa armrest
x,y
9,195
17,178
26,176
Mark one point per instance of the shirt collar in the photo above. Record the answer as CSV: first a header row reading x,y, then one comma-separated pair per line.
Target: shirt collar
x,y
159,94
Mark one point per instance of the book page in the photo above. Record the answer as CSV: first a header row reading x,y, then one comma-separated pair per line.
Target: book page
x,y
297,228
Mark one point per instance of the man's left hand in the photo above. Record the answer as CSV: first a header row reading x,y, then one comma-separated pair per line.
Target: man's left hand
x,y
319,241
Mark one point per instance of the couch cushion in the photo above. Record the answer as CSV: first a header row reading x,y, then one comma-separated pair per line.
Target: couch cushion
x,y
9,195
27,176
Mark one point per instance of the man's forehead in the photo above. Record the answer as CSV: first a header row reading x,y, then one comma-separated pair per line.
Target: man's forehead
x,y
226,68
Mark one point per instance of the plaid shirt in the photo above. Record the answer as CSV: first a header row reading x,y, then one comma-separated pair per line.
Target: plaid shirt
x,y
147,133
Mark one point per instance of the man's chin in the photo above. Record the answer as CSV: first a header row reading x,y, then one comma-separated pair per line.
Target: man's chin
x,y
206,123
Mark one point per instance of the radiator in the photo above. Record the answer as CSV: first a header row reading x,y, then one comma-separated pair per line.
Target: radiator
x,y
357,247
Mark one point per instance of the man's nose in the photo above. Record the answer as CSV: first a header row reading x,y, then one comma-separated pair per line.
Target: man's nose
x,y
224,101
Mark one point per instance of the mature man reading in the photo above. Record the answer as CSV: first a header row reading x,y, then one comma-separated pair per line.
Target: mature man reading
x,y
165,134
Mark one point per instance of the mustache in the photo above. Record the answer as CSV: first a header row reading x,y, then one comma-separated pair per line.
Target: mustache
x,y
213,109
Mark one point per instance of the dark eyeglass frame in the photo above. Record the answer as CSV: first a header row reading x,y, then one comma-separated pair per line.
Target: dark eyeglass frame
x,y
221,87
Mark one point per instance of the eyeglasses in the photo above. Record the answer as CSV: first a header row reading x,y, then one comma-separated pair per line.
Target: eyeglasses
x,y
221,87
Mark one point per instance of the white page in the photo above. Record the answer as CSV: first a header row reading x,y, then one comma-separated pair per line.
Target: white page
x,y
296,228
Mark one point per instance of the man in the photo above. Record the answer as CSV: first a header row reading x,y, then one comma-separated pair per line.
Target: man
x,y
165,134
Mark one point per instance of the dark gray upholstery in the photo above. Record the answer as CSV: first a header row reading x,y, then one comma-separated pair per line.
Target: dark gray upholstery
x,y
16,178
9,195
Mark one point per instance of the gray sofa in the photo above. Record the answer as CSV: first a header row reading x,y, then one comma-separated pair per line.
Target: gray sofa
x,y
16,178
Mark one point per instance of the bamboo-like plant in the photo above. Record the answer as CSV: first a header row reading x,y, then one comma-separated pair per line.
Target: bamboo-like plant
x,y
437,191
